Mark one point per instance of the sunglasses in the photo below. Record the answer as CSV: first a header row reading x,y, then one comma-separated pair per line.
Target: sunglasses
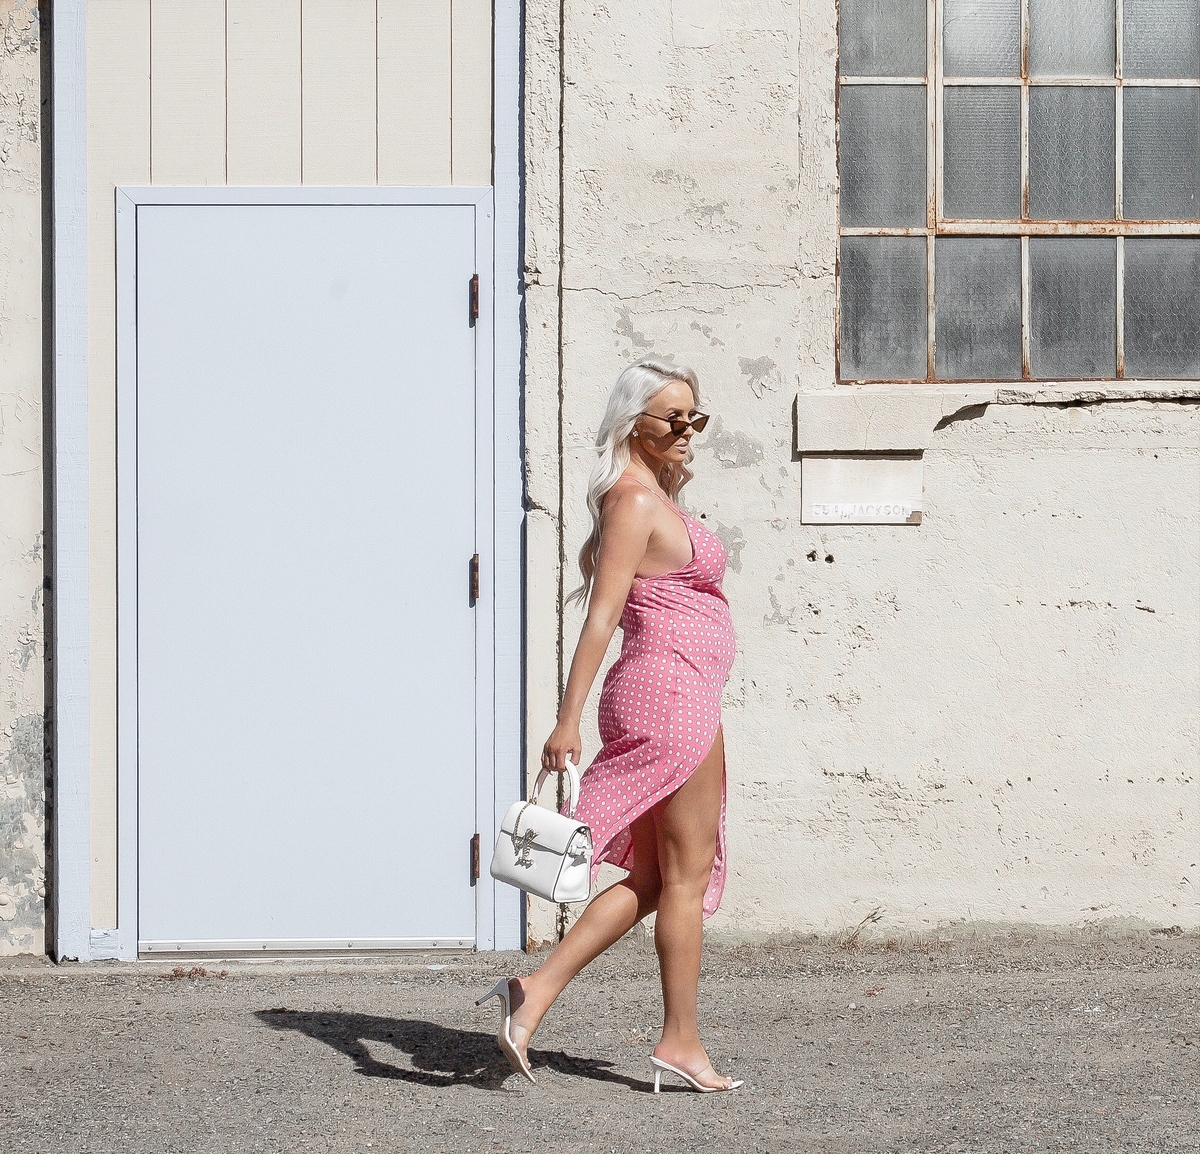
x,y
679,425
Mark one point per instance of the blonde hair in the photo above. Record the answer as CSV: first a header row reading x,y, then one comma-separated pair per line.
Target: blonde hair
x,y
635,388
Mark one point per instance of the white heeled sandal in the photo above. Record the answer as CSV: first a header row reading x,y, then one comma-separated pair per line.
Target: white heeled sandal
x,y
661,1067
503,1037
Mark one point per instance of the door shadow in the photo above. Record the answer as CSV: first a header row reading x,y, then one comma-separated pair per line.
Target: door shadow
x,y
440,1055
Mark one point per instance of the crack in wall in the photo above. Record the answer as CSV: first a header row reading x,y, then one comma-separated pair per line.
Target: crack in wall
x,y
663,285
1082,399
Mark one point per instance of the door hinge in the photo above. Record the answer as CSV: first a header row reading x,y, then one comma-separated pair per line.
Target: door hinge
x,y
474,299
474,579
475,859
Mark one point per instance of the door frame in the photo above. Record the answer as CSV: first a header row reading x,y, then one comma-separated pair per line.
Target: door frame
x,y
497,594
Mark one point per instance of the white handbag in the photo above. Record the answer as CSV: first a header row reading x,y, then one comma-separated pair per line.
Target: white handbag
x,y
542,851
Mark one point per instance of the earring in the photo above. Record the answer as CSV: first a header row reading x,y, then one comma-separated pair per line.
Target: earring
x,y
634,433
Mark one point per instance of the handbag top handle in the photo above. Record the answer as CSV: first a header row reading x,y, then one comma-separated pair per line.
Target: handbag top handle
x,y
572,775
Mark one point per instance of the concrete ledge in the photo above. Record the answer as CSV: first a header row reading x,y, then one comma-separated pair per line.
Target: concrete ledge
x,y
858,418
1091,393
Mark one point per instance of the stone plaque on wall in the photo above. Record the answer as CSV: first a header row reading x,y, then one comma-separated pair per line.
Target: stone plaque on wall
x,y
860,488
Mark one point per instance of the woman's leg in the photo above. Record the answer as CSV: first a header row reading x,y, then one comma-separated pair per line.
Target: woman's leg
x,y
686,823
608,917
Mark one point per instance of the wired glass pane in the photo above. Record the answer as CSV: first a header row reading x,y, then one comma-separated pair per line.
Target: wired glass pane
x,y
1072,142
881,154
881,37
1072,37
1161,174
1161,39
981,37
1162,307
884,314
981,158
977,306
1073,307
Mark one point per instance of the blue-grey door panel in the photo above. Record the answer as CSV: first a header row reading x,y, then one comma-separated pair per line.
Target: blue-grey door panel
x,y
306,416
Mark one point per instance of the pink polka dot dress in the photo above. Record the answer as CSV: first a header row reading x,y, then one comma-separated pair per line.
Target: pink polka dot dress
x,y
660,704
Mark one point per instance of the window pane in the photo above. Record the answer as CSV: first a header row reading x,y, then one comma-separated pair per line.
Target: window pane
x,y
1162,307
881,37
977,306
884,314
1073,307
1161,39
882,155
981,163
1162,153
1072,37
1072,145
981,37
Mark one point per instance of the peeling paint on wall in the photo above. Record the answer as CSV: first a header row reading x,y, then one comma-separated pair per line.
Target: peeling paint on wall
x,y
761,372
22,668
20,112
22,839
731,448
945,721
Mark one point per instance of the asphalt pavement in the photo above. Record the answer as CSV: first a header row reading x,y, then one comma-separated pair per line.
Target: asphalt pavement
x,y
1000,1044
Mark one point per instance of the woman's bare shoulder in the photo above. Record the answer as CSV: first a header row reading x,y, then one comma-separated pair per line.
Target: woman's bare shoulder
x,y
628,500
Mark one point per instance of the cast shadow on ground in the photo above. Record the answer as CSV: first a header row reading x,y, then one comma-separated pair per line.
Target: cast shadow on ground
x,y
440,1056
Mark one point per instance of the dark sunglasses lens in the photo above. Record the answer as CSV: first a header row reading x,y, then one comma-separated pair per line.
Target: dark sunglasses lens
x,y
699,422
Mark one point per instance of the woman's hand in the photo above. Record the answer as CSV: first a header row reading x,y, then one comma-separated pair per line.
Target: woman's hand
x,y
562,743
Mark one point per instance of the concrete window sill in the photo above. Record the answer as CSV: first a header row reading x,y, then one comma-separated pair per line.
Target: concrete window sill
x,y
881,418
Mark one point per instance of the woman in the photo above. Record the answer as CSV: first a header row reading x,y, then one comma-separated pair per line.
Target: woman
x,y
654,796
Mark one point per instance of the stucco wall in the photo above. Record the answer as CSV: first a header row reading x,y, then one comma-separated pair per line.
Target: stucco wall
x,y
991,717
22,793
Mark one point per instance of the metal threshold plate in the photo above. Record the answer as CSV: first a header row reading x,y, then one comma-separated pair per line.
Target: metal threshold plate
x,y
293,945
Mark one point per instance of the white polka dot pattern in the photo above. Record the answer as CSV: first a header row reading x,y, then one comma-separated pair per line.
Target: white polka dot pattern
x,y
660,704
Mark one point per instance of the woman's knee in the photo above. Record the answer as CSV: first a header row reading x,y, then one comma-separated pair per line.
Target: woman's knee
x,y
690,871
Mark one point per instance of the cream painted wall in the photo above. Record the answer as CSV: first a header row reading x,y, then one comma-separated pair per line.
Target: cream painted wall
x,y
254,92
992,718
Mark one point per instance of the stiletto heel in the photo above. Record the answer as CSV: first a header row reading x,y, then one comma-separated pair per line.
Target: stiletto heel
x,y
503,1037
661,1067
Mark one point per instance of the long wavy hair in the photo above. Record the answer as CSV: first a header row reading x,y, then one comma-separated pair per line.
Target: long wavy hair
x,y
633,391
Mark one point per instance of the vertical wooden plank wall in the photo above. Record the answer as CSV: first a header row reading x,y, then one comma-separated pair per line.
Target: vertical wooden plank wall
x,y
414,98
339,64
254,92
262,92
187,91
118,110
471,91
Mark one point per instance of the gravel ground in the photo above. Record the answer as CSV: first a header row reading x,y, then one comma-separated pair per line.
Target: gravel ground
x,y
987,1045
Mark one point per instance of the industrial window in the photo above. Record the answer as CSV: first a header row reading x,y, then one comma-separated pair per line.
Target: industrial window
x,y
1019,189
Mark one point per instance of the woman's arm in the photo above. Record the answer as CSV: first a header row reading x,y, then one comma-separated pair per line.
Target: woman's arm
x,y
627,519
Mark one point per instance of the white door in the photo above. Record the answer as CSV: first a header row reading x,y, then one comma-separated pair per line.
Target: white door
x,y
306,495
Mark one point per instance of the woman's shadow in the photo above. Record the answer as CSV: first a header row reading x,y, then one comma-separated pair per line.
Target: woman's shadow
x,y
440,1056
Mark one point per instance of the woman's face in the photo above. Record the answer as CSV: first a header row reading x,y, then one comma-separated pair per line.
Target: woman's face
x,y
653,432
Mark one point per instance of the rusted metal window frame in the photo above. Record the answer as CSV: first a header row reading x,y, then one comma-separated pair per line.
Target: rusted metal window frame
x,y
937,225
